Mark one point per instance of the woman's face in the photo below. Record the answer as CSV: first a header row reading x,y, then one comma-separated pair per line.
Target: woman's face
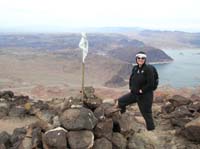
x,y
140,60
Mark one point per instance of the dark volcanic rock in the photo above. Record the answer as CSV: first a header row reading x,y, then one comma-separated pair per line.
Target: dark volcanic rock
x,y
80,139
78,119
56,138
192,130
104,129
102,143
178,100
118,140
17,111
6,95
5,139
92,101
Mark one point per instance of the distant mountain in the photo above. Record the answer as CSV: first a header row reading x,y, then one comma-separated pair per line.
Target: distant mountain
x,y
111,45
167,39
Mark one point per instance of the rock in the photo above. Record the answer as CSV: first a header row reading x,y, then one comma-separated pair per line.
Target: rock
x,y
3,112
7,95
105,110
178,100
104,129
42,124
180,112
21,100
100,111
18,135
167,108
91,100
194,107
36,137
40,105
26,143
192,130
180,116
2,146
78,119
89,92
142,140
56,122
56,138
46,115
71,102
83,139
4,105
195,97
17,111
118,140
180,122
129,125
5,139
102,143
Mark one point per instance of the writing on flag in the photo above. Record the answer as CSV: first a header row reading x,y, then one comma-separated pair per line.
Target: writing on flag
x,y
84,46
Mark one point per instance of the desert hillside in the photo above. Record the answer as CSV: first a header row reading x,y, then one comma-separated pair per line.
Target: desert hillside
x,y
32,62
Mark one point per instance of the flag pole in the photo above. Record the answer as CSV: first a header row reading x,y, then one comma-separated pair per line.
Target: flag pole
x,y
83,44
83,76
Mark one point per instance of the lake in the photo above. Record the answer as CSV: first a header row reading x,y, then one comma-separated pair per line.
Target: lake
x,y
184,71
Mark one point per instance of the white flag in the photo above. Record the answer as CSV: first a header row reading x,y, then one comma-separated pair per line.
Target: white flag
x,y
84,46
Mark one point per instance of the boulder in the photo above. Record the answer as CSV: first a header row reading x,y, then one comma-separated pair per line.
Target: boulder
x,y
56,138
83,139
18,135
178,100
195,97
128,124
46,115
92,101
180,112
192,130
20,100
194,107
71,102
167,108
104,129
105,110
3,112
2,146
118,140
6,95
143,140
102,143
5,139
17,111
78,119
36,137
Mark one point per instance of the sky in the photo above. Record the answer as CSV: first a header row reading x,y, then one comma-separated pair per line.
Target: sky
x,y
183,15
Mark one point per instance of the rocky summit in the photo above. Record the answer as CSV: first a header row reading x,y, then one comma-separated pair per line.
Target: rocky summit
x,y
93,124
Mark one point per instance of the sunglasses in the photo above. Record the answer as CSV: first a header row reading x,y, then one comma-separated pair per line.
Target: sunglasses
x,y
141,58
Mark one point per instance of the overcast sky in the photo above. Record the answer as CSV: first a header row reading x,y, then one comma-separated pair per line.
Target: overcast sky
x,y
151,14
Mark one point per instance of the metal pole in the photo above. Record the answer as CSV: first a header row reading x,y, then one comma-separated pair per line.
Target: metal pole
x,y
83,73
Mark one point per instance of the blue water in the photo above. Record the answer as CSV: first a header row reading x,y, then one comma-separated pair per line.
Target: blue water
x,y
184,71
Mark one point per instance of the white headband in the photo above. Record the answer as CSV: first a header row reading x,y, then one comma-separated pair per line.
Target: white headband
x,y
141,55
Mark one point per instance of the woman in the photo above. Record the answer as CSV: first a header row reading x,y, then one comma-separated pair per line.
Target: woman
x,y
141,90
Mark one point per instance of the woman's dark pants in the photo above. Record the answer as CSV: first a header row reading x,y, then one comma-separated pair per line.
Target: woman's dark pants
x,y
145,105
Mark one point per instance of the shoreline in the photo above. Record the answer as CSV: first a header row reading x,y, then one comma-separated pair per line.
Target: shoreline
x,y
156,63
